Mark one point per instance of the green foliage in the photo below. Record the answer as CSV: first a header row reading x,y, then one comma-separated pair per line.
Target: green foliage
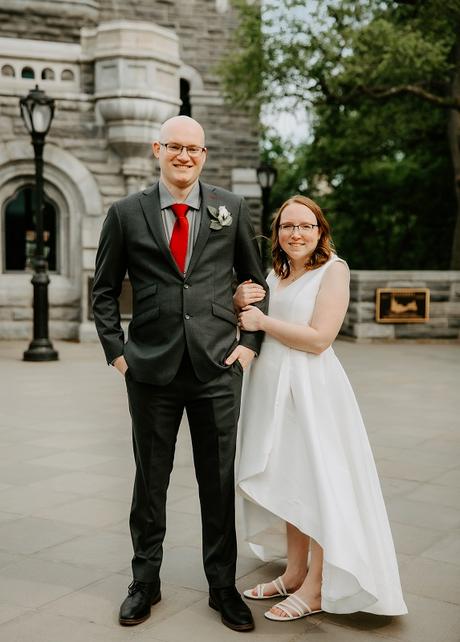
x,y
392,203
380,166
383,177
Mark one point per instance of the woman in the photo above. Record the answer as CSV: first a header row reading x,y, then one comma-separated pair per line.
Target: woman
x,y
306,471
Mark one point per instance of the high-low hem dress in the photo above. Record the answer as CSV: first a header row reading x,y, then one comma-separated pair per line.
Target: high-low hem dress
x,y
304,458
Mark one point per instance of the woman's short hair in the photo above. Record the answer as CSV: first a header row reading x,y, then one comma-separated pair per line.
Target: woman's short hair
x,y
322,251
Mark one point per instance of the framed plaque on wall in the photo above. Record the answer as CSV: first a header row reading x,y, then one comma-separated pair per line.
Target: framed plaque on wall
x,y
402,305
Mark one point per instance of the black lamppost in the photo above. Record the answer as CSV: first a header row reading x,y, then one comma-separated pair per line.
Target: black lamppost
x,y
266,175
37,111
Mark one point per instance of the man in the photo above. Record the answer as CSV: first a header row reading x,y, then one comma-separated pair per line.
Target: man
x,y
181,242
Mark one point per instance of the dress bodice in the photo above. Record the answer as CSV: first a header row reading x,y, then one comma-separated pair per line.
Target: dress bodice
x,y
295,302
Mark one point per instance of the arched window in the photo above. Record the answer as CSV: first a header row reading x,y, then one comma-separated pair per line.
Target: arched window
x,y
67,74
19,232
27,72
186,107
8,70
47,74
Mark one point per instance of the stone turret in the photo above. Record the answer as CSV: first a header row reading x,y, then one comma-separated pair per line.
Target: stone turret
x,y
136,88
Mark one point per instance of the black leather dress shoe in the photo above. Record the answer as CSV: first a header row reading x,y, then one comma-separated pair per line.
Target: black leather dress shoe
x,y
234,612
136,606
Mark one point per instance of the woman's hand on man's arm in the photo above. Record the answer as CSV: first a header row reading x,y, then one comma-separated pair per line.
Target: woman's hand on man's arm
x,y
247,293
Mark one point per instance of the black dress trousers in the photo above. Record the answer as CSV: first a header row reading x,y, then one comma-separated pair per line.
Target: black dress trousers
x,y
212,410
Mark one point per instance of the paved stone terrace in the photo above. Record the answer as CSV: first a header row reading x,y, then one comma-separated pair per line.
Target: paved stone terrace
x,y
65,483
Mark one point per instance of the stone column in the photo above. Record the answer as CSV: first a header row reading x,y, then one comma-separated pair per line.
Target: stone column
x,y
137,87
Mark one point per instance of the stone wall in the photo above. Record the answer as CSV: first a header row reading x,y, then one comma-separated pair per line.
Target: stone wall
x,y
56,20
444,316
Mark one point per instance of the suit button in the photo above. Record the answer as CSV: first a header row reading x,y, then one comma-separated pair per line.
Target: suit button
x,y
186,286
187,316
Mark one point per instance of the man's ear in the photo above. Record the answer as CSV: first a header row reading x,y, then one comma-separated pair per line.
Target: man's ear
x,y
156,149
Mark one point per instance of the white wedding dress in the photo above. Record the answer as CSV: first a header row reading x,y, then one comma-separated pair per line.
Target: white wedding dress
x,y
304,458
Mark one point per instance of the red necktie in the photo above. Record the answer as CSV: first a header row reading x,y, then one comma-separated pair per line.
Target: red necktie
x,y
179,239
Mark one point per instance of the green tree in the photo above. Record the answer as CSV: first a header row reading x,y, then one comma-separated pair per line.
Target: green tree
x,y
392,204
383,82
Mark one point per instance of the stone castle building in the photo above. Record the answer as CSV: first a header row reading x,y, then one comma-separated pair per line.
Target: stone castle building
x,y
116,69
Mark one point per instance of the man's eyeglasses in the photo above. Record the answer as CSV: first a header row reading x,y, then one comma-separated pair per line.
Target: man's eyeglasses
x,y
174,149
304,228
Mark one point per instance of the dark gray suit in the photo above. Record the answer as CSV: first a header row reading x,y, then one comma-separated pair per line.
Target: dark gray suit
x,y
183,328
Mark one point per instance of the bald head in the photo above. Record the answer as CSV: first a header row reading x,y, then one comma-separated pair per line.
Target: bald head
x,y
179,171
179,126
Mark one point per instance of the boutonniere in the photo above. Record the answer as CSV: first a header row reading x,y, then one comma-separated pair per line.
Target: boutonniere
x,y
220,217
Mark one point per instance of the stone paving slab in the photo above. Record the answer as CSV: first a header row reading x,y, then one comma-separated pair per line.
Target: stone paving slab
x,y
66,474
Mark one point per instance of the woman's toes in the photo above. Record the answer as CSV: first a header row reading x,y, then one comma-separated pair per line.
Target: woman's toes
x,y
276,611
269,589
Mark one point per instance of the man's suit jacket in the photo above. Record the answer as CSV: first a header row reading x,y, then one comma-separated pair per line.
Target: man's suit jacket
x,y
171,311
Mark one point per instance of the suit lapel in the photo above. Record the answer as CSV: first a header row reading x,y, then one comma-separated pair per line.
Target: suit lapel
x,y
150,203
208,197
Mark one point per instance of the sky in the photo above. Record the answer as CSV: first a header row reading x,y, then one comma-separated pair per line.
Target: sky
x,y
291,125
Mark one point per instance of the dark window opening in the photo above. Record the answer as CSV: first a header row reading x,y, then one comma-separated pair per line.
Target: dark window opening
x,y
47,74
20,232
27,72
186,107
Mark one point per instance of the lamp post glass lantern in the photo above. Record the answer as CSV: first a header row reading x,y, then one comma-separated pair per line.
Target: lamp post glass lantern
x,y
266,175
37,111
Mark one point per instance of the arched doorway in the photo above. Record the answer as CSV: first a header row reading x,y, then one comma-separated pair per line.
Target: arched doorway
x,y
73,216
19,232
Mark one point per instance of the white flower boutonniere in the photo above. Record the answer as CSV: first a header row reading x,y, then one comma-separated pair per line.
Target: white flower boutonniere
x,y
219,217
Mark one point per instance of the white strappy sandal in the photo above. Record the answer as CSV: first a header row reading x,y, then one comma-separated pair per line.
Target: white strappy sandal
x,y
260,588
294,607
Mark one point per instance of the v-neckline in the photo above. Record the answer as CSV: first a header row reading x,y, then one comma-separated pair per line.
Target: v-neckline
x,y
286,287
278,291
